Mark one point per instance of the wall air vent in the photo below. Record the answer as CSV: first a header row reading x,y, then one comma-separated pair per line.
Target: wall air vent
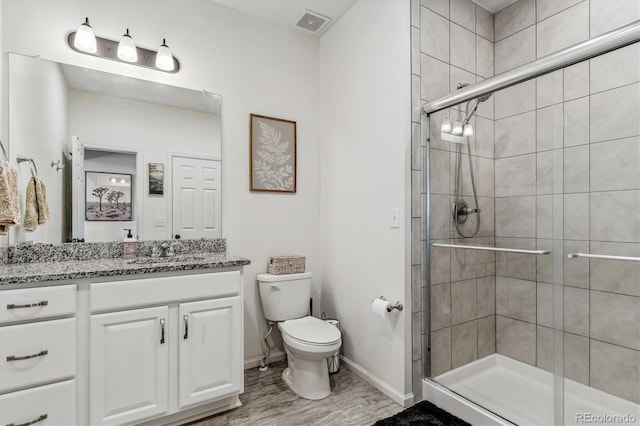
x,y
312,21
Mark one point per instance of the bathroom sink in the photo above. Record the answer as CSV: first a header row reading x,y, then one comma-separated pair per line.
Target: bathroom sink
x,y
170,259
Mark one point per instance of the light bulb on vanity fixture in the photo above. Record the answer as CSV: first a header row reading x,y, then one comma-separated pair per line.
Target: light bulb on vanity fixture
x,y
127,50
457,127
85,39
467,130
164,58
446,125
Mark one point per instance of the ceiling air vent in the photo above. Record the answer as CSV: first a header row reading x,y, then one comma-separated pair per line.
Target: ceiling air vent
x,y
312,21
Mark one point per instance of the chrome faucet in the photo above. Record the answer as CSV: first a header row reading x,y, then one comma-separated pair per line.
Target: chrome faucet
x,y
166,249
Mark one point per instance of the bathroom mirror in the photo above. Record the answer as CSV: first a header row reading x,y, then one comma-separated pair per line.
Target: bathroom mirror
x,y
75,122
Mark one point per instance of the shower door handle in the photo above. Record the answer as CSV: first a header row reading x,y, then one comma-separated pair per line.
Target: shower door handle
x,y
603,257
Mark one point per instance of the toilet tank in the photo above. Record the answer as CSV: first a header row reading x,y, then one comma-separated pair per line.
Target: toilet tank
x,y
285,296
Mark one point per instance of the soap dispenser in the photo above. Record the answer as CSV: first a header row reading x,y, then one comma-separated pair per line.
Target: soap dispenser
x,y
130,245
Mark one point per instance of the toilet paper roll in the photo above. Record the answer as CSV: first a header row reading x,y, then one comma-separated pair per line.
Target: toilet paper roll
x,y
379,308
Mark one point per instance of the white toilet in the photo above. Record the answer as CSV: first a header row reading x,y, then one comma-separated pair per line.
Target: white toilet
x,y
308,341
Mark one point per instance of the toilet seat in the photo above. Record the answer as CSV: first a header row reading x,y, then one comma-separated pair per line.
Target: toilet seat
x,y
310,331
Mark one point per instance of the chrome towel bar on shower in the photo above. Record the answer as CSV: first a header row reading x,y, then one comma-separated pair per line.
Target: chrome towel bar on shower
x,y
603,256
486,248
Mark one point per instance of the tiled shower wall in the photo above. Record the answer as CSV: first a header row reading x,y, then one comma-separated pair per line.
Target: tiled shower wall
x,y
573,133
453,43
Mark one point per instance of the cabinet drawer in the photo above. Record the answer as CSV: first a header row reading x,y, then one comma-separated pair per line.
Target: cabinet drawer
x,y
35,353
161,290
34,303
57,402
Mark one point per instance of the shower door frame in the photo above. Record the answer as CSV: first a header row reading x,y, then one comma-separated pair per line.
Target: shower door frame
x,y
580,52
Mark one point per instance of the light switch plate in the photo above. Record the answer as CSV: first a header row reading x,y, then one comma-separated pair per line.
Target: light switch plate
x,y
395,218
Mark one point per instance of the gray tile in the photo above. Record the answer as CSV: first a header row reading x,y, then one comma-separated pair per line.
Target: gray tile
x,y
440,306
415,99
516,299
521,225
484,137
486,336
416,288
576,169
486,265
625,101
416,246
544,346
576,122
515,135
514,18
416,195
516,176
516,339
458,75
605,18
439,171
576,216
625,154
615,370
576,271
516,99
576,81
486,296
416,335
415,13
605,213
415,50
576,311
484,23
437,83
550,127
416,153
615,318
440,265
576,358
515,50
464,305
484,57
544,303
464,344
417,375
544,173
463,12
615,276
435,35
564,29
440,351
487,219
544,264
463,264
440,216
544,216
549,89
435,121
615,69
441,7
546,8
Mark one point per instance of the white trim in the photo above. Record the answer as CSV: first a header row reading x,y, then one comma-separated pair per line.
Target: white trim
x,y
459,406
255,361
403,399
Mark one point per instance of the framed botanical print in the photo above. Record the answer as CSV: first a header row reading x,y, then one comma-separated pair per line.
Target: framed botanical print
x,y
272,148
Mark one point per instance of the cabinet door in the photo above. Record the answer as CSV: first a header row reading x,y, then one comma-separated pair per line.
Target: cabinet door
x,y
129,365
210,350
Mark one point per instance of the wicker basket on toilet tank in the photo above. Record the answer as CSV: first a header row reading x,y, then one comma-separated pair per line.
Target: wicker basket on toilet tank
x,y
286,265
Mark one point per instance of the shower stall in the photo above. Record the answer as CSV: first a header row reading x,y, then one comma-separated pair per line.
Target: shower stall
x,y
531,213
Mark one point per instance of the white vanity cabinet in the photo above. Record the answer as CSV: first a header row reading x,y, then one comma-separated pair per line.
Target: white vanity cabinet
x,y
38,356
161,346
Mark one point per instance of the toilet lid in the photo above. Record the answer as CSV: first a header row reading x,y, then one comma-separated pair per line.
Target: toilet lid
x,y
311,330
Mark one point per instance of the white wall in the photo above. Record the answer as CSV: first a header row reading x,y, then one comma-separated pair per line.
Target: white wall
x,y
256,67
39,126
153,130
365,110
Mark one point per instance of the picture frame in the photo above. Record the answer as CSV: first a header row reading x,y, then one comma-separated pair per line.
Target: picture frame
x,y
156,179
108,197
272,154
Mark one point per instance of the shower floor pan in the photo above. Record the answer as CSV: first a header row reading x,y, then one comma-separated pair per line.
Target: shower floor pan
x,y
524,394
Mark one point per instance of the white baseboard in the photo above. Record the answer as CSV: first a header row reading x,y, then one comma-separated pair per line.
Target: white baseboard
x,y
255,362
403,399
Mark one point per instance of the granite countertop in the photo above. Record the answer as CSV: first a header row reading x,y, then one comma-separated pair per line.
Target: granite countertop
x,y
32,272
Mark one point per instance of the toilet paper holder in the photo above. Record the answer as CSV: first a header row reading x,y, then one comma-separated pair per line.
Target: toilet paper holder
x,y
390,307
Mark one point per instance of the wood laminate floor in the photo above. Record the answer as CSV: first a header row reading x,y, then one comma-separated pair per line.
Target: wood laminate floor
x,y
268,401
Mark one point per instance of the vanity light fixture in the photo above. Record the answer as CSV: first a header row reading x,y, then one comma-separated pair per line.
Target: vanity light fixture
x,y
84,41
127,48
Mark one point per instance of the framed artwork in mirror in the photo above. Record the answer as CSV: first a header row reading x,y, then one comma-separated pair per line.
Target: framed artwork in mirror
x,y
156,179
272,154
108,197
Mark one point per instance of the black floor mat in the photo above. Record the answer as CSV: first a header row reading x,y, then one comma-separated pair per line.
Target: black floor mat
x,y
423,413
